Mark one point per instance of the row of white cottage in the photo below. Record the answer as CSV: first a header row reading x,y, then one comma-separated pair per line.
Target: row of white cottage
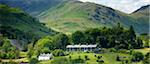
x,y
81,47
69,48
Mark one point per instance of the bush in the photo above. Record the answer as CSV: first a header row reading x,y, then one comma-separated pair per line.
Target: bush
x,y
147,58
137,56
100,61
88,51
2,55
86,57
118,58
9,55
69,57
95,56
33,61
99,57
113,50
58,52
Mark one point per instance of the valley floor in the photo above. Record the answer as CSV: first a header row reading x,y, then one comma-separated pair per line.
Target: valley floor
x,y
108,57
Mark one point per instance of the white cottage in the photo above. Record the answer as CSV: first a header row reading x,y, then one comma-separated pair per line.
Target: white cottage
x,y
81,47
45,56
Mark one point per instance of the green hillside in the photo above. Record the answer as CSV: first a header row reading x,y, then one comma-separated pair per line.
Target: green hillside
x,y
34,7
15,24
75,15
71,15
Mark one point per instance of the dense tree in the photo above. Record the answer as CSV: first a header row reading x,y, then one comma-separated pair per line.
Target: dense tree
x,y
78,37
132,34
60,41
91,35
45,42
131,37
50,43
7,50
139,43
103,42
116,37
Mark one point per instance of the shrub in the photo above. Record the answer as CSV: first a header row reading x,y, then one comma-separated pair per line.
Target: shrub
x,y
2,55
33,61
69,57
95,56
86,57
88,51
118,58
99,57
58,52
147,58
137,56
100,61
113,50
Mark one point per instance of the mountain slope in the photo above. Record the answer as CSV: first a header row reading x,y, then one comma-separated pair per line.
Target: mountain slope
x,y
75,15
15,24
34,7
145,10
142,14
72,15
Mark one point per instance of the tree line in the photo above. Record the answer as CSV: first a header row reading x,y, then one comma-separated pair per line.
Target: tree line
x,y
116,37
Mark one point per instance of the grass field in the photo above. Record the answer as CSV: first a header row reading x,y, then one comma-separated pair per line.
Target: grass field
x,y
144,51
108,58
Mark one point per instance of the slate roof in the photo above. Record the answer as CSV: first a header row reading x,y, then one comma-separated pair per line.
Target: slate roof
x,y
81,46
